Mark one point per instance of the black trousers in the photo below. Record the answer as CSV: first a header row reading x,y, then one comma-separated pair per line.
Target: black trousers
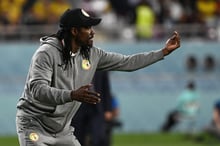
x,y
89,126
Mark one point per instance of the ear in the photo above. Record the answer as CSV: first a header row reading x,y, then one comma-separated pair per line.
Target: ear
x,y
74,31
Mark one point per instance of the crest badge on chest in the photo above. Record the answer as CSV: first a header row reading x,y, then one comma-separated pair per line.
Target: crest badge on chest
x,y
86,65
34,136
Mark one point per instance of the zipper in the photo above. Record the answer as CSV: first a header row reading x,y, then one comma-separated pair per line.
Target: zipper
x,y
74,72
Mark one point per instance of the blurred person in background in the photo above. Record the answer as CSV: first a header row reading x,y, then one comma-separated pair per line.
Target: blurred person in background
x,y
112,122
40,11
175,12
211,132
209,63
188,106
145,20
214,128
218,9
12,9
191,63
10,15
207,10
89,121
60,75
36,12
190,12
56,8
122,9
186,111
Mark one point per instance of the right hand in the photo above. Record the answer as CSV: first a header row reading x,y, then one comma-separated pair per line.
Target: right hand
x,y
172,43
83,94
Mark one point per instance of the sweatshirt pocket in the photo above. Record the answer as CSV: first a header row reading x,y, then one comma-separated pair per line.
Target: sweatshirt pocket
x,y
50,124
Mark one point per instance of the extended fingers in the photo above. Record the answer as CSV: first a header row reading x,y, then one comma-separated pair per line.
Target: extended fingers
x,y
176,38
83,94
93,93
92,97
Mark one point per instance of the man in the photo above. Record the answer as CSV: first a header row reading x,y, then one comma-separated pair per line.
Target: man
x,y
89,121
186,111
59,78
214,128
188,106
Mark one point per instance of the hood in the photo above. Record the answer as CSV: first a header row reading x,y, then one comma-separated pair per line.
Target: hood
x,y
53,41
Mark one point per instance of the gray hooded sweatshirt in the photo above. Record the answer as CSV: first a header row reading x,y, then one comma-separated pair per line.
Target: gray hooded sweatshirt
x,y
46,96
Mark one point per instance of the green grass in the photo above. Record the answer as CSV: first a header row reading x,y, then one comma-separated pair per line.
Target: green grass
x,y
144,139
159,139
9,141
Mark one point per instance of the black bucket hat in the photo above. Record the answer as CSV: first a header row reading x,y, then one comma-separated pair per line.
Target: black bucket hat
x,y
77,18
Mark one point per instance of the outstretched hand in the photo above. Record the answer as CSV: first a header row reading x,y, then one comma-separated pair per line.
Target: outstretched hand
x,y
83,94
172,43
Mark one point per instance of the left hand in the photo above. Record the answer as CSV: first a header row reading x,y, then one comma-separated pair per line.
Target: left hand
x,y
172,44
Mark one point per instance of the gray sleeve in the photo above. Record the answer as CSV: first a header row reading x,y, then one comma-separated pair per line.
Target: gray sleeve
x,y
116,61
41,72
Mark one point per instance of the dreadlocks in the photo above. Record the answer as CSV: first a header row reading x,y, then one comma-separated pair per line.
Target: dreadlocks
x,y
66,35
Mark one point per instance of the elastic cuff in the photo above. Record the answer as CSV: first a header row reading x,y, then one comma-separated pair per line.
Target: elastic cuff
x,y
67,96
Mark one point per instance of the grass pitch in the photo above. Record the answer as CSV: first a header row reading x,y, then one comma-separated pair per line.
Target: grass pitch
x,y
159,139
144,139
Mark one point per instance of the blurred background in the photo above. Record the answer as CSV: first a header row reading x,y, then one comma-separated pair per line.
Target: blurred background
x,y
147,96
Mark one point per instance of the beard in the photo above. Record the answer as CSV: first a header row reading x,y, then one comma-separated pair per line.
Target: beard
x,y
85,47
84,43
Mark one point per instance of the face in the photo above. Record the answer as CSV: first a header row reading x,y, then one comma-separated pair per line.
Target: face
x,y
84,36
